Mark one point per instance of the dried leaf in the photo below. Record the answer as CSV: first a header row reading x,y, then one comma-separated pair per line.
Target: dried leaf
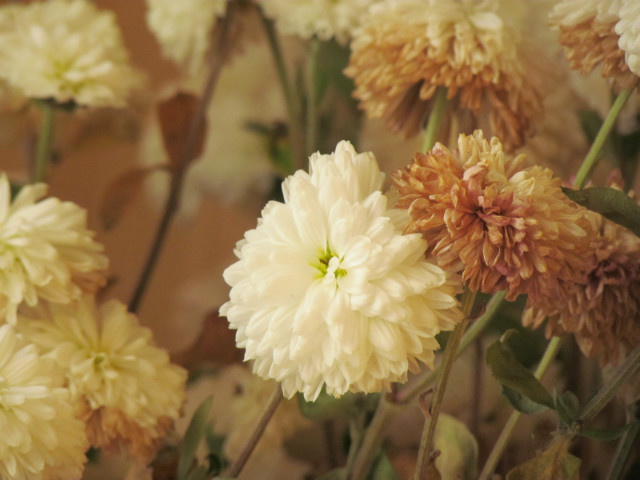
x,y
121,192
176,118
555,463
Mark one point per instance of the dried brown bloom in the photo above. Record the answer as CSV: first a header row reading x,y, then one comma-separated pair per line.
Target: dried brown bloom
x,y
405,51
590,39
503,227
603,310
111,429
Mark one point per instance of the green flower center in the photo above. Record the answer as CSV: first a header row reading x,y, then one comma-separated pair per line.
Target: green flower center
x,y
329,264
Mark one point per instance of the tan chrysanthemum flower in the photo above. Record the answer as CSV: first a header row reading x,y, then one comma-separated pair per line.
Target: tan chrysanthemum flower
x,y
504,227
406,50
601,311
588,33
128,393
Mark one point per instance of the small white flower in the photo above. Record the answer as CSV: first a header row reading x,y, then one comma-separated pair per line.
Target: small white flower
x,y
328,292
324,18
45,250
183,28
66,50
41,439
130,391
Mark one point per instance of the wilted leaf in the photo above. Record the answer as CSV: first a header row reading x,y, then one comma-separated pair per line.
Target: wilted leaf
x,y
121,192
458,449
192,437
611,203
511,373
555,463
176,117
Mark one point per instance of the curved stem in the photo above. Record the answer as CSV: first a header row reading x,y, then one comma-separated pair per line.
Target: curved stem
x,y
310,82
267,414
43,149
372,440
436,117
424,454
294,112
501,442
411,391
593,155
177,175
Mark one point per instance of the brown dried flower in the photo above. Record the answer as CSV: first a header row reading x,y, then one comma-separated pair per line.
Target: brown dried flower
x,y
503,227
406,50
603,310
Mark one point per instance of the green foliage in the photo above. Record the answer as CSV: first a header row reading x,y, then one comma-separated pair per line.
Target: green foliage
x,y
326,407
611,203
555,463
383,469
568,407
195,433
511,373
604,434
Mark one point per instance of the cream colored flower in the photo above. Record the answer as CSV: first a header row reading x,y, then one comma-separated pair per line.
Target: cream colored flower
x,y
127,390
503,227
184,28
46,251
406,49
628,27
65,50
328,293
41,439
325,19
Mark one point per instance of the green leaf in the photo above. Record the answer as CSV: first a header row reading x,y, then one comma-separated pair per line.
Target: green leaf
x,y
613,204
194,434
337,474
198,473
605,434
568,407
555,463
326,406
511,373
521,403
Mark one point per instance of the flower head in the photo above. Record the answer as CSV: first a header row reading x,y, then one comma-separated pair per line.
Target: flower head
x,y
503,226
602,309
184,29
406,49
324,18
41,437
328,292
65,50
590,32
127,391
46,251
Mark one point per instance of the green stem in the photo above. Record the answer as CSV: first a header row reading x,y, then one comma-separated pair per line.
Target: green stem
x,y
296,134
608,390
372,440
310,82
410,392
436,117
247,450
498,448
177,176
622,452
450,353
43,149
593,155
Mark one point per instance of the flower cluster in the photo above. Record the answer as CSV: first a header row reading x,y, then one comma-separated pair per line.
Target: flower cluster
x,y
328,293
405,50
503,226
65,50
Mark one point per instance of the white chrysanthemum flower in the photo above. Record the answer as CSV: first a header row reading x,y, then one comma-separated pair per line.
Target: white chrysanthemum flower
x,y
328,292
572,12
41,438
128,390
66,50
629,30
184,28
46,251
324,18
